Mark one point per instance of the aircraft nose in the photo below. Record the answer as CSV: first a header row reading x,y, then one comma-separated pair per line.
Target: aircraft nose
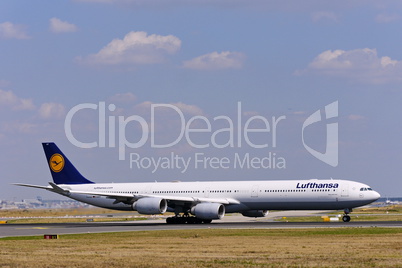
x,y
376,195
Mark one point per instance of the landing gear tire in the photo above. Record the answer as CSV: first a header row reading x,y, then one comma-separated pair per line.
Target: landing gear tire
x,y
346,218
190,220
186,219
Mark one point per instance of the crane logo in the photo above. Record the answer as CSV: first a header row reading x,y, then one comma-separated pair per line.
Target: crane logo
x,y
330,156
56,162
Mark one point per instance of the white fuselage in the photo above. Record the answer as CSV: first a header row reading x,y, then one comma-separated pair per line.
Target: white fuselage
x,y
250,195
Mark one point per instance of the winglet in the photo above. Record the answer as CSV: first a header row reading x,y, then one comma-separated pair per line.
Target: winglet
x,y
63,172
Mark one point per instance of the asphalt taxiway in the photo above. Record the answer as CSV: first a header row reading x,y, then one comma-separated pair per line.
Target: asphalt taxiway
x,y
9,230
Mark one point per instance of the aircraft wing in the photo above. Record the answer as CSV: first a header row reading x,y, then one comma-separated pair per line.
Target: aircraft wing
x,y
125,197
118,196
225,201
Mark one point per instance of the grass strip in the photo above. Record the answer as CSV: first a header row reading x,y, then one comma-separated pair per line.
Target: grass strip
x,y
334,247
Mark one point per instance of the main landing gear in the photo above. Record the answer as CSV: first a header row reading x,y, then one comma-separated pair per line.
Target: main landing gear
x,y
186,219
346,217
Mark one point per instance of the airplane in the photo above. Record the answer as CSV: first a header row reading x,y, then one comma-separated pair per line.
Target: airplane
x,y
202,202
390,202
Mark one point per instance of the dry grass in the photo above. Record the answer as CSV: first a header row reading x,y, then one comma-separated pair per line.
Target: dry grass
x,y
343,247
391,209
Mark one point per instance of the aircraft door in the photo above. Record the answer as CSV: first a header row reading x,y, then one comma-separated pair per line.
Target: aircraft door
x,y
254,191
206,192
345,190
147,190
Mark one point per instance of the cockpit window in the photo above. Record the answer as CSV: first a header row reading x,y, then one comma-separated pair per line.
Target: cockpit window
x,y
365,189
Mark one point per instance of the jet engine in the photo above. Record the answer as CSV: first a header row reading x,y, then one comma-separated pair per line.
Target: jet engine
x,y
208,211
150,205
255,213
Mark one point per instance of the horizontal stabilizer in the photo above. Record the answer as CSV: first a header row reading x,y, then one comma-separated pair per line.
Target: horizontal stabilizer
x,y
33,186
53,188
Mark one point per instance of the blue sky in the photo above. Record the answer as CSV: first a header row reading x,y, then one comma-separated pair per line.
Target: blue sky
x,y
286,58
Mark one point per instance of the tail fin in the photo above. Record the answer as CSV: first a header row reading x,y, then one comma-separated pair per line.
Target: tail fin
x,y
63,172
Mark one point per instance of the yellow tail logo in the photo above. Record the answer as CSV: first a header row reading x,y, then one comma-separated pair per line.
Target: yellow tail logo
x,y
56,162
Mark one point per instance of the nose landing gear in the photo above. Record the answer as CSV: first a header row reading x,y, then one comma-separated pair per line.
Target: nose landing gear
x,y
346,217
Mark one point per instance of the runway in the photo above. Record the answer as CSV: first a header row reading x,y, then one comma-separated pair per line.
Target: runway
x,y
9,230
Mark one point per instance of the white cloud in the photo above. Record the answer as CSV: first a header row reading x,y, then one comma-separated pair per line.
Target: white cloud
x,y
188,108
185,109
387,18
331,60
363,65
216,61
144,106
324,16
19,127
9,30
59,26
20,119
47,110
123,97
51,110
387,61
9,99
136,48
